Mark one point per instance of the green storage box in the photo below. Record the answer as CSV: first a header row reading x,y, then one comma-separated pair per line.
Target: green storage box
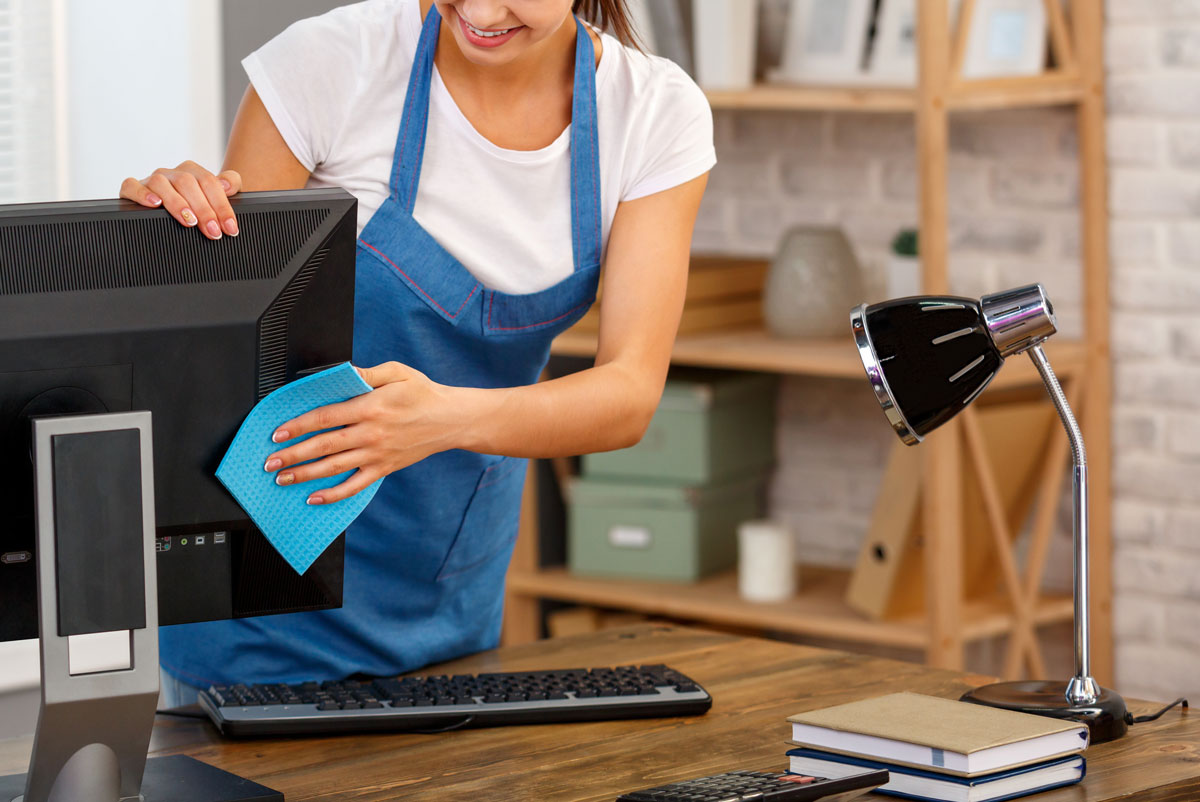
x,y
640,530
710,426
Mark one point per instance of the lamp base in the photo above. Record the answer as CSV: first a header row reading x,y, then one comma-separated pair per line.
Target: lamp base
x,y
1106,718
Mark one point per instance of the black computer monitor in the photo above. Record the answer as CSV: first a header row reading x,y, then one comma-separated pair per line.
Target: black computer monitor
x,y
106,306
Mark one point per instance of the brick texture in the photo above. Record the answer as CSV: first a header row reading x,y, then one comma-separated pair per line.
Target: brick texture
x,y
1013,191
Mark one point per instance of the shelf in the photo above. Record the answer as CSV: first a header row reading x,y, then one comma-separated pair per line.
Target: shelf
x,y
1049,89
755,349
767,97
818,609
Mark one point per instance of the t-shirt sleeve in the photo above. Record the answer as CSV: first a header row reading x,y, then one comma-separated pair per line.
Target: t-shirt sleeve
x,y
678,136
306,78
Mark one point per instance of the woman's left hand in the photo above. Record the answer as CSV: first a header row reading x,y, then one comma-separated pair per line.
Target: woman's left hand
x,y
406,418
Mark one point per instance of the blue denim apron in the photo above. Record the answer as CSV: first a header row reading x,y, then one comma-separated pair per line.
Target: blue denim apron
x,y
425,562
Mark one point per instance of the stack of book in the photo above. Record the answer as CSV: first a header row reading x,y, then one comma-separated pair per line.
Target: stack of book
x,y
940,749
722,293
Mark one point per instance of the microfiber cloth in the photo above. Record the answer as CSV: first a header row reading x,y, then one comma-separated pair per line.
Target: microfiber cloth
x,y
299,531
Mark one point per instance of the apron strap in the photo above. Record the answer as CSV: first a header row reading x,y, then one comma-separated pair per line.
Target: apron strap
x,y
410,142
586,221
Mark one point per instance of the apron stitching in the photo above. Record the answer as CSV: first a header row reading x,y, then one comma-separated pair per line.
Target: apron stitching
x,y
408,101
568,313
408,104
495,480
418,286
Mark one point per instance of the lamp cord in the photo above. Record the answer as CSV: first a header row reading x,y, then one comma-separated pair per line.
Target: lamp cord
x,y
1129,719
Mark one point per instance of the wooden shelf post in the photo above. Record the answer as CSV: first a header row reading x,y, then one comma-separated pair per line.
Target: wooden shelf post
x,y
1088,19
942,490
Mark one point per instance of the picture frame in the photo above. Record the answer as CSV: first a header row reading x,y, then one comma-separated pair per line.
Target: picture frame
x,y
893,58
1006,38
825,42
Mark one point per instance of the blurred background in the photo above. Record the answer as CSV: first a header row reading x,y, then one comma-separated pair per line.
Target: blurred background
x,y
815,205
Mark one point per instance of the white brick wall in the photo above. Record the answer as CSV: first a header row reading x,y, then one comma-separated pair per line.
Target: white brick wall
x,y
1013,191
1154,129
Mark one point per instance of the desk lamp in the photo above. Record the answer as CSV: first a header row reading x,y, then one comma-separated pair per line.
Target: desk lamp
x,y
927,358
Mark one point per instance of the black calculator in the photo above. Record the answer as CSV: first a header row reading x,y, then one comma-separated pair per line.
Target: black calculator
x,y
760,786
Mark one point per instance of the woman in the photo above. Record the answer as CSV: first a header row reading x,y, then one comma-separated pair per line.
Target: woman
x,y
501,152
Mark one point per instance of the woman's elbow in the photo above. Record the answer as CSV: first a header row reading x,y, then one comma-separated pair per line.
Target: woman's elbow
x,y
635,425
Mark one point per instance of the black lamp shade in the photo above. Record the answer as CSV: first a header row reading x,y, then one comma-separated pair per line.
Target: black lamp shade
x,y
927,358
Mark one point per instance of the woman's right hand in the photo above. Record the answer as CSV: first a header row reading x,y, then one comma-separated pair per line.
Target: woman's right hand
x,y
192,194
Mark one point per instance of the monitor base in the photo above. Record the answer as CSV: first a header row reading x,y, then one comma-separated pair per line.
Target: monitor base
x,y
176,778
1106,719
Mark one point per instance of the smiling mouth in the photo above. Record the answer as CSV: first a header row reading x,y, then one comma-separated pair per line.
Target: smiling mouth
x,y
487,34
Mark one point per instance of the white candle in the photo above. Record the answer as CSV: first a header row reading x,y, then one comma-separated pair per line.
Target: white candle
x,y
766,566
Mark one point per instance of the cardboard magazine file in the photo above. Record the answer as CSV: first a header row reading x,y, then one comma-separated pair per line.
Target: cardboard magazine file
x,y
888,578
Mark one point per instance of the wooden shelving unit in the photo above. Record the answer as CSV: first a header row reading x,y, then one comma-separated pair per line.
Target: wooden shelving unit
x,y
1051,89
951,619
817,610
755,349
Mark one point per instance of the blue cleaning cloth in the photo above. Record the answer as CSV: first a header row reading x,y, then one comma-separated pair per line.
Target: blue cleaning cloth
x,y
298,531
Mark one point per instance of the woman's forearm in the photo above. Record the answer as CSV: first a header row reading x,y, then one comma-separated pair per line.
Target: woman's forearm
x,y
599,409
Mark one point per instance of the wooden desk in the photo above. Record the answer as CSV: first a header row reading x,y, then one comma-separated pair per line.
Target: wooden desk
x,y
755,684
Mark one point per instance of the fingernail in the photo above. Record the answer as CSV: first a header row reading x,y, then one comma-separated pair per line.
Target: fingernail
x,y
188,217
280,436
231,227
154,199
273,465
213,229
285,479
315,500
228,186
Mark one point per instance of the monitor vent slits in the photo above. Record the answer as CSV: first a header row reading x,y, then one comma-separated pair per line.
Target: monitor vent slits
x,y
146,252
286,590
273,328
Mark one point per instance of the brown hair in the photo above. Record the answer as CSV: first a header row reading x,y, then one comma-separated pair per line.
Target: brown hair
x,y
610,14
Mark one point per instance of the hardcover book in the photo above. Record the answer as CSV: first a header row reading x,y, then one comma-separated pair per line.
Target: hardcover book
x,y
941,735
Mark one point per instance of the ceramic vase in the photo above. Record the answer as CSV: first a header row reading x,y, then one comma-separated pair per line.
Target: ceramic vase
x,y
813,282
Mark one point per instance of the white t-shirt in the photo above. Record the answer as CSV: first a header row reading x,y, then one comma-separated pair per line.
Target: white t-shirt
x,y
335,85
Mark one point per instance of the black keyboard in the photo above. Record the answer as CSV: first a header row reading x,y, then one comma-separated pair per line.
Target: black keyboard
x,y
759,786
453,702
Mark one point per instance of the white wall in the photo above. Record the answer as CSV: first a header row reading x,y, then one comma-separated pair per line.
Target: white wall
x,y
1154,156
144,89
140,88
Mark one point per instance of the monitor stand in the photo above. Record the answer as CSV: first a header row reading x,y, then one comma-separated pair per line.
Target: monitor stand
x,y
94,483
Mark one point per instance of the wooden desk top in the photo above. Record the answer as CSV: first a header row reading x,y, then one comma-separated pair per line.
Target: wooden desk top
x,y
755,685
